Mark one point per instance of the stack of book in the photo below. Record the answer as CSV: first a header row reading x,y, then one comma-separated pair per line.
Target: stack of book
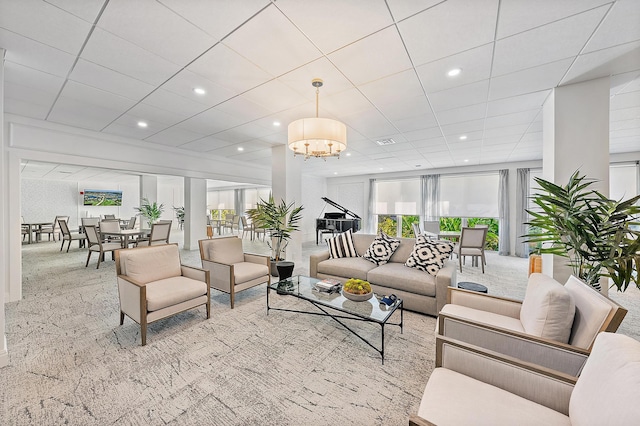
x,y
328,285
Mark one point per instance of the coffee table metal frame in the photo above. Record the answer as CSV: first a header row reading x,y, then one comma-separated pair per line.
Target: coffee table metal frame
x,y
299,280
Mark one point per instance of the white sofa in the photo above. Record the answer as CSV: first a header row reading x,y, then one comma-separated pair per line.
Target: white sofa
x,y
472,386
419,290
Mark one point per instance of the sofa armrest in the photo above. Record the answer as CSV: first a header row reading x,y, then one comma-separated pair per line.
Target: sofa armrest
x,y
314,259
257,258
537,350
538,384
194,273
132,295
485,302
220,274
446,275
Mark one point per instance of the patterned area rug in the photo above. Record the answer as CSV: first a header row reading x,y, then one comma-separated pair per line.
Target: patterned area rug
x,y
72,363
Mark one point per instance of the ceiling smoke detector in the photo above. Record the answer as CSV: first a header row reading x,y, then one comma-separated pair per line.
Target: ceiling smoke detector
x,y
383,142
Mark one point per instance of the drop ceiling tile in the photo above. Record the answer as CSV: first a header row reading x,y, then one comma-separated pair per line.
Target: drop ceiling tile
x,y
300,79
24,108
463,128
517,16
633,85
461,96
408,109
87,9
517,103
272,42
227,68
211,121
422,134
602,63
174,136
276,96
430,35
30,95
45,23
624,114
626,124
344,103
625,100
127,125
155,28
370,123
474,63
402,9
414,123
82,114
23,51
531,80
33,80
183,84
102,78
208,143
524,117
124,57
393,88
372,58
336,23
458,115
500,142
149,113
531,137
620,26
454,137
506,131
262,156
179,105
549,43
243,109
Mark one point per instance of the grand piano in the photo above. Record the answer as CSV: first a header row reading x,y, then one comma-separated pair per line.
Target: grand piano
x,y
336,221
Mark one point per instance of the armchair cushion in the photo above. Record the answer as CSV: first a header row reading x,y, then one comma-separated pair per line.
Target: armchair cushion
x,y
606,392
548,309
484,317
171,291
146,266
247,271
226,250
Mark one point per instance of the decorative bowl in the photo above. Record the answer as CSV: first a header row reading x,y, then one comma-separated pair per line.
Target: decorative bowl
x,y
357,297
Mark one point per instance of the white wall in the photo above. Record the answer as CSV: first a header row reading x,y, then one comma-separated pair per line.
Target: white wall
x,y
170,194
314,189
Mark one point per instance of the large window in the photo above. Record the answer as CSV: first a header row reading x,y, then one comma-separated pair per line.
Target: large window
x,y
469,195
397,206
221,203
253,195
623,181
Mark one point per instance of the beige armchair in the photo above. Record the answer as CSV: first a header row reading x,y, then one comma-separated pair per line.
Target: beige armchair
x,y
554,326
153,284
473,386
231,269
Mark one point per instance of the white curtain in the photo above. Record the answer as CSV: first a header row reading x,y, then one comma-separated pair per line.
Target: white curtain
x,y
469,195
371,217
430,192
238,201
522,202
503,211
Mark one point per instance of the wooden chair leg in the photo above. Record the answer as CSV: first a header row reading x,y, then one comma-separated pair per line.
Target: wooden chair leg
x,y
100,258
88,257
121,317
62,246
69,246
232,297
143,332
208,309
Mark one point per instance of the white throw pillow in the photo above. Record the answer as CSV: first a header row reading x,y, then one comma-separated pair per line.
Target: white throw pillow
x,y
342,246
429,255
548,309
381,249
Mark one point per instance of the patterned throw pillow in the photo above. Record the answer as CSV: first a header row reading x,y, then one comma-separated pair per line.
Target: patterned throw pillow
x,y
342,246
381,249
429,255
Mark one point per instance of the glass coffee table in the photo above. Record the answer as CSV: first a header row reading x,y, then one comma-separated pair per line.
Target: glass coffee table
x,y
371,310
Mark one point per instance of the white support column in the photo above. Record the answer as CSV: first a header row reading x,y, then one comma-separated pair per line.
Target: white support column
x,y
5,225
195,212
149,188
286,184
576,137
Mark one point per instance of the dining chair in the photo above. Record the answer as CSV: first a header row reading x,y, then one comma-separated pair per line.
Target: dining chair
x,y
68,236
93,221
109,216
471,243
160,232
96,245
431,228
247,227
110,225
52,229
25,229
228,223
132,222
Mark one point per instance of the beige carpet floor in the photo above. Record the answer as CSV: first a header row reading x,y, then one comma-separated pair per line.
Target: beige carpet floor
x,y
72,363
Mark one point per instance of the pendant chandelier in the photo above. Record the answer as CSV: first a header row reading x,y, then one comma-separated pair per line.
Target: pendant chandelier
x,y
317,137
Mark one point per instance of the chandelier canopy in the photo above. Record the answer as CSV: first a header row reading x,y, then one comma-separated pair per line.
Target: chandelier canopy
x,y
317,137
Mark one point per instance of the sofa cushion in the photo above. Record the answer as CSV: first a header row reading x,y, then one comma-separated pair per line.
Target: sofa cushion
x,y
547,309
349,267
398,276
171,291
247,271
225,250
606,392
484,317
428,255
381,249
451,398
151,264
342,245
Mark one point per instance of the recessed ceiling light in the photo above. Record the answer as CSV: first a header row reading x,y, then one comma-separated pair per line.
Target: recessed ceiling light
x,y
463,137
199,91
240,148
276,123
454,72
348,154
466,161
335,173
142,124
381,168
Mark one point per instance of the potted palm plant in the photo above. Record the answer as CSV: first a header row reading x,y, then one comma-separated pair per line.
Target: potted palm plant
x,y
599,236
281,219
150,211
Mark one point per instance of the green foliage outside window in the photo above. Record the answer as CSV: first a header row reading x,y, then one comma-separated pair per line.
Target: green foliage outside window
x,y
221,214
407,229
455,224
388,225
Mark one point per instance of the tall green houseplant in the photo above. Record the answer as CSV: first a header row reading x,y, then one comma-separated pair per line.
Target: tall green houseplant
x,y
150,211
281,219
599,236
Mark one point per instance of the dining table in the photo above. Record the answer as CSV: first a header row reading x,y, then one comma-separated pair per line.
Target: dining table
x,y
449,235
126,234
34,227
